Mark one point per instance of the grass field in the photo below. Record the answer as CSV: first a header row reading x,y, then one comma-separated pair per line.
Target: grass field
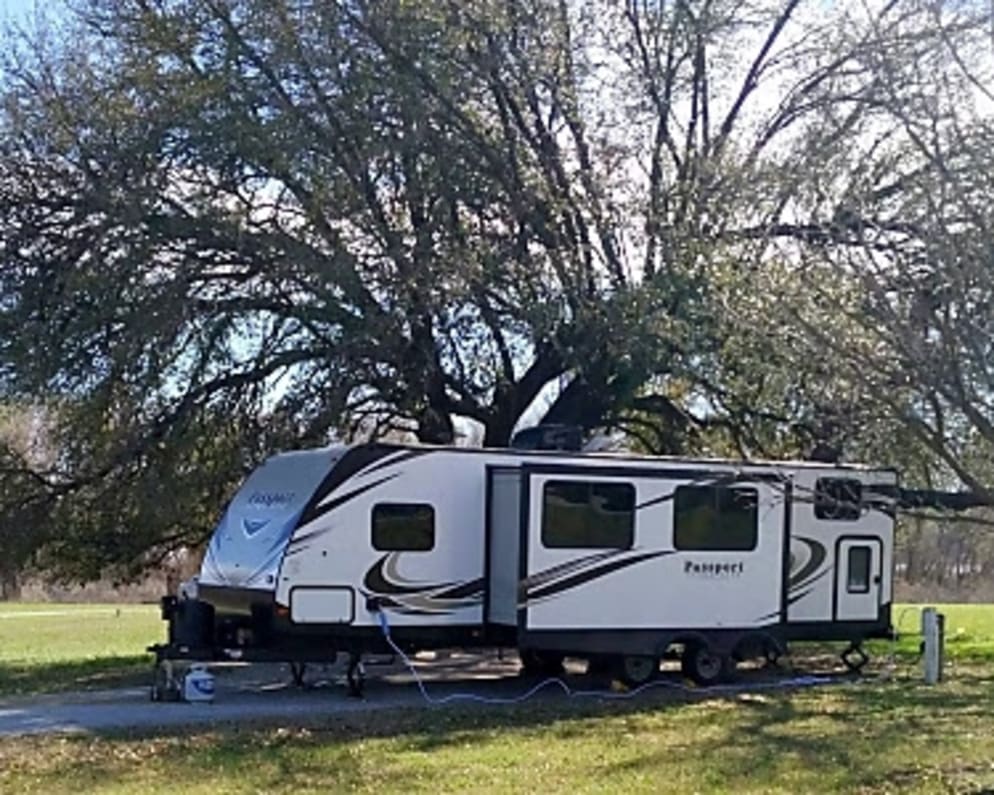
x,y
62,646
877,735
969,631
869,737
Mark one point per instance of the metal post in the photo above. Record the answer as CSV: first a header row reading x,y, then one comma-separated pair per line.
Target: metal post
x,y
933,624
941,621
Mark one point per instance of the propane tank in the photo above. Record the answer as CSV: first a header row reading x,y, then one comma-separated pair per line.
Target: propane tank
x,y
198,684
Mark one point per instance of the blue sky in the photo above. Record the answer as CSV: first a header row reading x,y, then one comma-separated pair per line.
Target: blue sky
x,y
17,8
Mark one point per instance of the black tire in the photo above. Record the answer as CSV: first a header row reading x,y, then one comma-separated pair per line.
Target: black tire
x,y
541,663
705,666
637,669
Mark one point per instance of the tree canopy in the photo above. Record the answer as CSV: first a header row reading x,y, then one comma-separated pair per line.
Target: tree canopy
x,y
230,226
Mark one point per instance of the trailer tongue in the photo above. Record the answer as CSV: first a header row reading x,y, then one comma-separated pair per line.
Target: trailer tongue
x,y
228,611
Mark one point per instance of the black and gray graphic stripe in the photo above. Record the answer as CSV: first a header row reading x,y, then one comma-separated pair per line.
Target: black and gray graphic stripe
x,y
385,582
560,579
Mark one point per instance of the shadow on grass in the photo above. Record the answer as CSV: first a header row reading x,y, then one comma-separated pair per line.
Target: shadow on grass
x,y
92,674
845,736
860,736
758,733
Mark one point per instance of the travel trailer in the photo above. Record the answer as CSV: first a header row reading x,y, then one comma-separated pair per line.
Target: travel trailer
x,y
616,558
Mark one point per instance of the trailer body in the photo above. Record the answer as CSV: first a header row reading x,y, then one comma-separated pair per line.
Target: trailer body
x,y
590,555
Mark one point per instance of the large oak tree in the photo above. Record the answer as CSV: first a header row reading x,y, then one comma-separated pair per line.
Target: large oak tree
x,y
234,225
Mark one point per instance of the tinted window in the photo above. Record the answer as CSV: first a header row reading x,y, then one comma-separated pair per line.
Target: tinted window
x,y
838,498
403,527
715,518
582,514
858,570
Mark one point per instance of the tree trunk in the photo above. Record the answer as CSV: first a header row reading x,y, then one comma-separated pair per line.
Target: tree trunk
x,y
435,427
582,404
10,585
500,425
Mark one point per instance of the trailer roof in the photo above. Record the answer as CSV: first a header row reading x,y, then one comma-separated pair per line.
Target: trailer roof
x,y
605,455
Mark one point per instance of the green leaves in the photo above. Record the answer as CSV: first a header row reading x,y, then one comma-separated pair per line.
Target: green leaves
x,y
259,224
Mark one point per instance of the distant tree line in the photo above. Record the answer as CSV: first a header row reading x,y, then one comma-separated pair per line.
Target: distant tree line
x,y
945,560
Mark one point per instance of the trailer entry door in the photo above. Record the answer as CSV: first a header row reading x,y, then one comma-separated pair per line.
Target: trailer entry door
x,y
504,540
857,579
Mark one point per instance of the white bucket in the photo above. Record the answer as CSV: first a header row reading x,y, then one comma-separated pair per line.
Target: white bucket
x,y
198,684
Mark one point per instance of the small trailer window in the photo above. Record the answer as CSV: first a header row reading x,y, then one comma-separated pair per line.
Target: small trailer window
x,y
715,518
858,580
582,514
838,498
403,527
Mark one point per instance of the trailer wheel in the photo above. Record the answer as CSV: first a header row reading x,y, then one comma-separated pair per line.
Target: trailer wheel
x,y
637,669
541,663
704,666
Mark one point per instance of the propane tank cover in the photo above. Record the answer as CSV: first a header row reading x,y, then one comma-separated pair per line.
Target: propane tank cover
x,y
198,684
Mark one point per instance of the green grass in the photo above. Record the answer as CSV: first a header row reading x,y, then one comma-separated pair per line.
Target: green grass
x,y
969,629
872,736
868,737
45,647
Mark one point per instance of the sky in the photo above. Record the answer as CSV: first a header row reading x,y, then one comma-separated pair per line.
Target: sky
x,y
14,9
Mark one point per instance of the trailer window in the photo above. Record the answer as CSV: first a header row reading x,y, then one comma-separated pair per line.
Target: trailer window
x,y
858,579
838,498
583,514
403,527
715,518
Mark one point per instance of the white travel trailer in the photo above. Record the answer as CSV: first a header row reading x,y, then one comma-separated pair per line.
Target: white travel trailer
x,y
619,559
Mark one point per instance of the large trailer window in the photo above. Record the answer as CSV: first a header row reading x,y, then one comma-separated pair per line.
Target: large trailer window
x,y
403,527
715,518
838,498
582,514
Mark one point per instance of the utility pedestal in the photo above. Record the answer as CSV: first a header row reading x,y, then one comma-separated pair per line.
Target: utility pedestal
x,y
933,639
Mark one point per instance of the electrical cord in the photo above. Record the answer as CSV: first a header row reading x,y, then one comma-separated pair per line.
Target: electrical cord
x,y
897,634
557,682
